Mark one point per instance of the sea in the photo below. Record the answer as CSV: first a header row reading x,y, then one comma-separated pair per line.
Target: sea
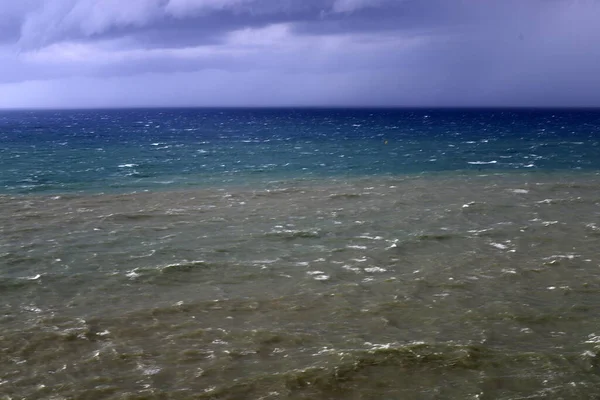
x,y
300,254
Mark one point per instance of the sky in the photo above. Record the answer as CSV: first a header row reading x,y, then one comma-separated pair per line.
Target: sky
x,y
432,53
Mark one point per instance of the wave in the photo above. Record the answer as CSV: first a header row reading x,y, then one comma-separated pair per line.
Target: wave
x,y
482,162
8,284
394,369
344,196
170,273
291,234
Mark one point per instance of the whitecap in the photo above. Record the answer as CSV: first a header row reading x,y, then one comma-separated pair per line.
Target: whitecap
x,y
593,338
376,346
151,371
357,247
394,244
482,162
370,237
351,268
562,256
545,201
548,223
132,274
266,261
127,165
478,231
375,269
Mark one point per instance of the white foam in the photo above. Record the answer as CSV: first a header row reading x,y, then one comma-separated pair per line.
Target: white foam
x,y
132,274
375,269
548,223
351,268
376,346
325,350
482,162
563,256
127,165
394,244
477,231
545,201
593,338
370,237
519,191
151,371
592,226
266,261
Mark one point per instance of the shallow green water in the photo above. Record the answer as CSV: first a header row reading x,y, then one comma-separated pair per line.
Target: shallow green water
x,y
431,287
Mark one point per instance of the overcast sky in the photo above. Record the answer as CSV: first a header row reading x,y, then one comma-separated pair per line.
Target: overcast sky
x,y
111,53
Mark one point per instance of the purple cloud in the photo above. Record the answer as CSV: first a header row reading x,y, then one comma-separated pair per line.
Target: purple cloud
x,y
320,52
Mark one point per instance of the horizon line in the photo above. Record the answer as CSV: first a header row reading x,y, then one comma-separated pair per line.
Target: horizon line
x,y
305,107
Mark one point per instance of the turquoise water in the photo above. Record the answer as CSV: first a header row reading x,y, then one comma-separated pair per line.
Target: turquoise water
x,y
126,150
299,254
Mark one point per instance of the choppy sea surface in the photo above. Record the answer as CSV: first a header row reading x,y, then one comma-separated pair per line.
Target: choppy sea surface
x,y
300,254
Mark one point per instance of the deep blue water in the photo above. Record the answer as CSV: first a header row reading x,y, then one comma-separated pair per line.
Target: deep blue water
x,y
127,150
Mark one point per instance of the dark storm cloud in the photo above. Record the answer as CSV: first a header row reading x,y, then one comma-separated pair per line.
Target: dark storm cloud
x,y
379,52
183,22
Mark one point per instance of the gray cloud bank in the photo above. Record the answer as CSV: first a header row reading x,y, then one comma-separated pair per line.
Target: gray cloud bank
x,y
101,53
